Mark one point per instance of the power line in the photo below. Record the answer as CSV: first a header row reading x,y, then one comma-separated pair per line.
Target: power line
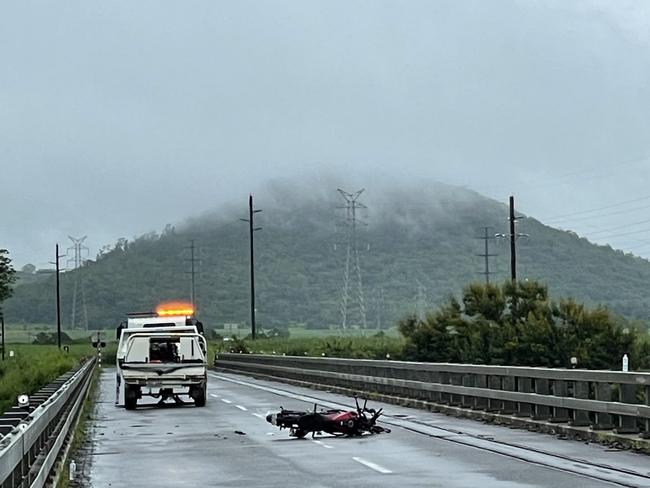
x,y
352,204
623,226
556,180
597,209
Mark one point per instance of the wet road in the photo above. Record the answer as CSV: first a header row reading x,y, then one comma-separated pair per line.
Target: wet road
x,y
188,446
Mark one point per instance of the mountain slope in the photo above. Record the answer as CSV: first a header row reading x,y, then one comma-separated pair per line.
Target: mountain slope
x,y
419,246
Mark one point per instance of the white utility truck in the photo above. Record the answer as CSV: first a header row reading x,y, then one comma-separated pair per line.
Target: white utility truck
x,y
161,354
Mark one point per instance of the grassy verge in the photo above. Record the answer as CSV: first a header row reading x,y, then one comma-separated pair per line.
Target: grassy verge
x,y
374,347
80,435
32,367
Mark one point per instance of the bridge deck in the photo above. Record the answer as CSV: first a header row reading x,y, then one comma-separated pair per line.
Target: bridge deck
x,y
187,446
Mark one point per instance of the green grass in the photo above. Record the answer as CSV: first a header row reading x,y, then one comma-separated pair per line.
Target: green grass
x,y
80,432
302,333
32,367
371,347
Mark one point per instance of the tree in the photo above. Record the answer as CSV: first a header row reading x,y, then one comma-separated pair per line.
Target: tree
x,y
7,275
517,324
28,269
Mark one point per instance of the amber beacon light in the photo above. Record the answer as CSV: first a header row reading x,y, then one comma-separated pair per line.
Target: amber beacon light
x,y
174,308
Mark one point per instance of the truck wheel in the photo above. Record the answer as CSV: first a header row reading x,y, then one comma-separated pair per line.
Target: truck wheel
x,y
198,394
130,397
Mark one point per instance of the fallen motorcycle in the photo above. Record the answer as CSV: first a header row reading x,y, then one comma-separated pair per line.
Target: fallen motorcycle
x,y
336,422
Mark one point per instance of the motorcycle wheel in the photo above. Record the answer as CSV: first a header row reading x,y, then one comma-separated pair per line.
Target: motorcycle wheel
x,y
299,433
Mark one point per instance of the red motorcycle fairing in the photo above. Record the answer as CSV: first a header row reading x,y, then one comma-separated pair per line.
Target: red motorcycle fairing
x,y
342,416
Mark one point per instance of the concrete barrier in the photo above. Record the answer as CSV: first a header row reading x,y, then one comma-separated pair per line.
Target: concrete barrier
x,y
590,404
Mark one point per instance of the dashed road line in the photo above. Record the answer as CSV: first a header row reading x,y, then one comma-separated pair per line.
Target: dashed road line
x,y
376,467
259,416
225,401
241,408
213,395
321,443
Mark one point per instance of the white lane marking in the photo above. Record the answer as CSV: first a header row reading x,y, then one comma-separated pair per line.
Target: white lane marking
x,y
213,395
259,415
321,443
241,408
225,401
376,467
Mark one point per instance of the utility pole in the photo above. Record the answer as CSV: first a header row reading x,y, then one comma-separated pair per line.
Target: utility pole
x,y
486,254
58,300
513,240
513,236
252,229
2,321
352,254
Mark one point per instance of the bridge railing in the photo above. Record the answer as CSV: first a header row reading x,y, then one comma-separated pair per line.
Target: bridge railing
x,y
31,438
601,400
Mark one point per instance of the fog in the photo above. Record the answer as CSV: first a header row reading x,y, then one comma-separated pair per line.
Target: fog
x,y
117,118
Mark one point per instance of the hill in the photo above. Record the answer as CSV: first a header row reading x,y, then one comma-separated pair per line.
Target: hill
x,y
419,246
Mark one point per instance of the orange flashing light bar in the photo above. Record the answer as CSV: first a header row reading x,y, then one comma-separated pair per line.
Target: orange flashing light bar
x,y
174,309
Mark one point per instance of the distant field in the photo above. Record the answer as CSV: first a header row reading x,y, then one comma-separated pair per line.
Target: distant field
x,y
25,334
301,333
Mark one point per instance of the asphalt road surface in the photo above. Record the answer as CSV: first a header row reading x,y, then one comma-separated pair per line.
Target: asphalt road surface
x,y
228,443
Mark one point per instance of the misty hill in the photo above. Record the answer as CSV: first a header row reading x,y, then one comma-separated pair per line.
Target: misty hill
x,y
419,246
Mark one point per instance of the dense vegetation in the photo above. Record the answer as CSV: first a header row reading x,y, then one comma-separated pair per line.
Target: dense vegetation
x,y
32,367
517,324
7,276
419,248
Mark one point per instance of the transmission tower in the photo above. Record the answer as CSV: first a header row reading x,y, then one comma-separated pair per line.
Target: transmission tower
x,y
194,264
380,305
486,254
352,204
74,262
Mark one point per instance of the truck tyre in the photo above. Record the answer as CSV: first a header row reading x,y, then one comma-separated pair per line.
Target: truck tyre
x,y
198,394
130,397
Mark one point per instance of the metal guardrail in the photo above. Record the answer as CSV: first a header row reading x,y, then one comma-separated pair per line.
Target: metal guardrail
x,y
601,400
31,438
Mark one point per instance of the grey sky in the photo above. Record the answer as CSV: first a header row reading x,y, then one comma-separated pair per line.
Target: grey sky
x,y
119,117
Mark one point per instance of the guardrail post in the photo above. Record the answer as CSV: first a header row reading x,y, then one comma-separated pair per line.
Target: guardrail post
x,y
456,400
494,383
466,400
646,433
581,417
508,384
542,412
434,377
445,398
626,425
603,420
560,414
480,381
524,385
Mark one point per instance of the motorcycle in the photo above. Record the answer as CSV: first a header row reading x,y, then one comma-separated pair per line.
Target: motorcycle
x,y
336,422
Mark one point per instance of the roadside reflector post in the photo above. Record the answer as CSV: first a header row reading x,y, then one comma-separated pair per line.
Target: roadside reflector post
x,y
72,470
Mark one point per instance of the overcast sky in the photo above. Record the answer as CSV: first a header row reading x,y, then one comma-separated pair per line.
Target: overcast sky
x,y
119,117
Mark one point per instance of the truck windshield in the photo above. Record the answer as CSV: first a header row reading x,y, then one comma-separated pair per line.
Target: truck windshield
x,y
175,349
164,350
